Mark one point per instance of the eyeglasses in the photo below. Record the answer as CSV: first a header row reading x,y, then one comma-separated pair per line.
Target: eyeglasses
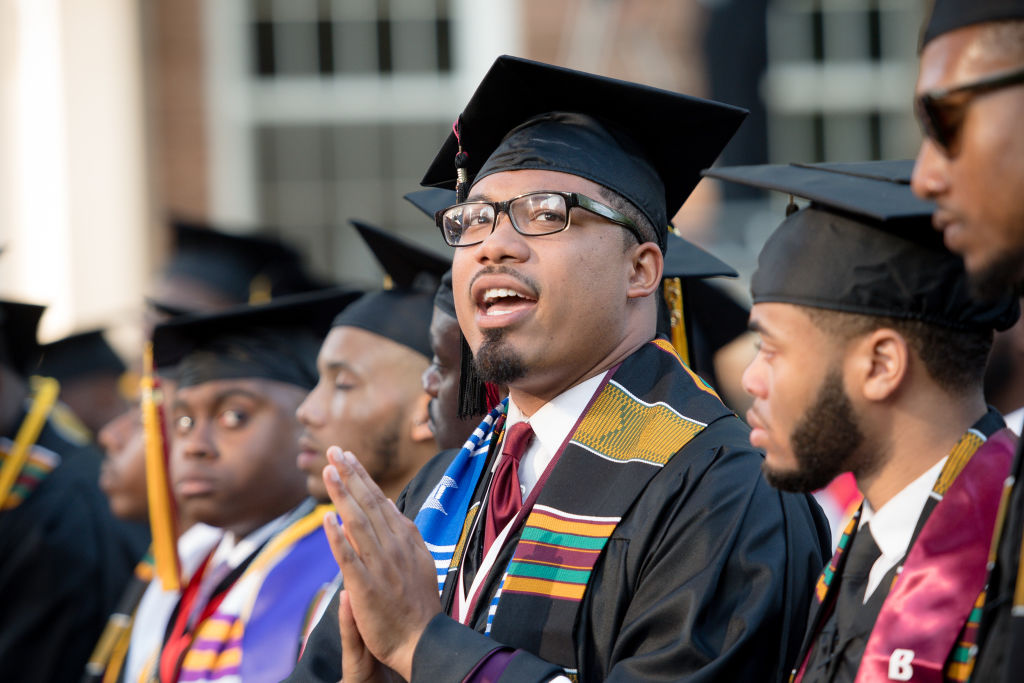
x,y
532,214
941,111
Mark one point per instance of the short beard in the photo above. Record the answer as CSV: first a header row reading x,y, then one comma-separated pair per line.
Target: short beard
x,y
497,362
825,442
1004,274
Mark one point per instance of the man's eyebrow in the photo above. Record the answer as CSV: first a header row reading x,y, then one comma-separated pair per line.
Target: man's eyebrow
x,y
755,325
338,366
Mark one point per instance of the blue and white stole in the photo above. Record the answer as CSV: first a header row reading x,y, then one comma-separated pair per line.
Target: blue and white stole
x,y
445,512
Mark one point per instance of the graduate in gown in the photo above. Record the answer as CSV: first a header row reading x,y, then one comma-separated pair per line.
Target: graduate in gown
x,y
969,100
239,375
871,360
608,521
65,557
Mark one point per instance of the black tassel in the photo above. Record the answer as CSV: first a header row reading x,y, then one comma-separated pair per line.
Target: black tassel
x,y
472,390
461,162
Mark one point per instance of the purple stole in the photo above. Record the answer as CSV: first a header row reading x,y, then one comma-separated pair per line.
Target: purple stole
x,y
919,633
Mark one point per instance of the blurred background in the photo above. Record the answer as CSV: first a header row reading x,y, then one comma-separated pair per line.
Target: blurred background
x,y
288,117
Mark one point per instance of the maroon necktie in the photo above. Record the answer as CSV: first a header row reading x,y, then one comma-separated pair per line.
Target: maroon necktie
x,y
505,498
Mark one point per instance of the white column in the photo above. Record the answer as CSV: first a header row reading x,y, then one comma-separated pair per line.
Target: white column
x,y
74,203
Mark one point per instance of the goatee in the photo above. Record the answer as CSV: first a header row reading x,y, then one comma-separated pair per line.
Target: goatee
x,y
496,361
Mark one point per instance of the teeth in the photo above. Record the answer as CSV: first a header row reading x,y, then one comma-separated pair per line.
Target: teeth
x,y
500,293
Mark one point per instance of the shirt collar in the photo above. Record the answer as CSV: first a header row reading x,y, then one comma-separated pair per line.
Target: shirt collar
x,y
893,524
555,419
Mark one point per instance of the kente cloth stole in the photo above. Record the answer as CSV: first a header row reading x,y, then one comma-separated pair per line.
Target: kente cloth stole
x,y
37,466
647,410
23,464
925,629
256,631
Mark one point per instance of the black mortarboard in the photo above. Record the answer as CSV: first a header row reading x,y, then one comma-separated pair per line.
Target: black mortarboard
x,y
80,355
431,200
949,15
402,313
698,317
685,259
248,268
19,345
278,340
645,144
864,245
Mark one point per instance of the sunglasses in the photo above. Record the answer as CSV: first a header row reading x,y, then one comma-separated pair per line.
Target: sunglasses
x,y
941,112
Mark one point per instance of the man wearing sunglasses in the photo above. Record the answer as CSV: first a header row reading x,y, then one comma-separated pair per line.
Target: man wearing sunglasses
x,y
618,527
970,102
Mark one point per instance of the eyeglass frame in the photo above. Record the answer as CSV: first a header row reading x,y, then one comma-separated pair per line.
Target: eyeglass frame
x,y
572,201
926,103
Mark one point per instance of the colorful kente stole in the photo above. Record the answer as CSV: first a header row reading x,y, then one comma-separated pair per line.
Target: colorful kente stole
x,y
926,626
23,466
107,659
644,413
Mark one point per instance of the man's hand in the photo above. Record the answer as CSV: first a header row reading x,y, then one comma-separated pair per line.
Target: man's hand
x,y
390,580
358,665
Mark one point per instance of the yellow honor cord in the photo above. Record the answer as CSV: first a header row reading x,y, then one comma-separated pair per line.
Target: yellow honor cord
x,y
45,391
161,506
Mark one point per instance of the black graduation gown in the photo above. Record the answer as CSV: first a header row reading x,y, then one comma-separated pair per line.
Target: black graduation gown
x,y
708,578
64,561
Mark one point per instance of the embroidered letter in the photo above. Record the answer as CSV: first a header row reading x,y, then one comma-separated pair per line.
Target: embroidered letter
x,y
899,665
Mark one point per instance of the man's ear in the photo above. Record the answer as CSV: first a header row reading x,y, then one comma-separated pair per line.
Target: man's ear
x,y
420,418
880,363
646,267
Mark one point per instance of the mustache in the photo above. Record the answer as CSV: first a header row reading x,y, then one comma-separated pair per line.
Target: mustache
x,y
504,270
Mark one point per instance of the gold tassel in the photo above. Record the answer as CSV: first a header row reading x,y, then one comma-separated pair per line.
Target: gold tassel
x,y
161,504
45,391
673,293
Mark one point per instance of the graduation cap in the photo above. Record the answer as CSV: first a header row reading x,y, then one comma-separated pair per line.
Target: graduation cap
x,y
646,144
19,347
949,15
402,313
250,268
431,200
79,355
864,245
696,316
278,340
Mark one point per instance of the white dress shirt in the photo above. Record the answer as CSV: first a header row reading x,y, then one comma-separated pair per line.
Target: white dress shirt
x,y
893,524
551,424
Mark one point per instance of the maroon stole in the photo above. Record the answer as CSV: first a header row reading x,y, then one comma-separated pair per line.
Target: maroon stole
x,y
916,636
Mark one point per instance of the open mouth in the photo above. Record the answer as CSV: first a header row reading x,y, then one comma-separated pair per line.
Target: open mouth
x,y
499,301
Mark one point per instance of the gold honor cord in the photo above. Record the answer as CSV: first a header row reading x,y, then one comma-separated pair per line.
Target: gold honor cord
x,y
673,293
161,505
45,391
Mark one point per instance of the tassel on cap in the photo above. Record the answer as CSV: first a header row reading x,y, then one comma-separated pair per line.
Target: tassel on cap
x,y
162,510
791,208
472,389
461,161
